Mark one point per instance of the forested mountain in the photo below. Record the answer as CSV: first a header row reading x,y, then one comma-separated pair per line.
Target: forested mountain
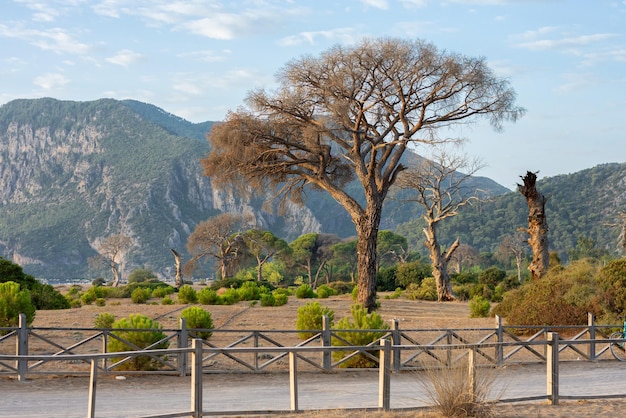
x,y
74,173
584,204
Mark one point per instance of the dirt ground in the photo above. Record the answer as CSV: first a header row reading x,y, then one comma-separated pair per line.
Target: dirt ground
x,y
410,315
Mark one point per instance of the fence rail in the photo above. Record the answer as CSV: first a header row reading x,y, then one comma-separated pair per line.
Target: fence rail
x,y
496,346
385,349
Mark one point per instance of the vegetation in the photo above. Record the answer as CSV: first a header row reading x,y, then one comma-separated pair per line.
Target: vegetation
x,y
43,296
134,333
187,294
198,318
364,132
13,302
353,331
310,318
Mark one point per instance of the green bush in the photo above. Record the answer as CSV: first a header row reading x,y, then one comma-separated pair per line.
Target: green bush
x,y
267,299
310,318
167,301
427,290
342,288
136,332
305,291
345,330
324,292
229,297
187,294
248,291
141,275
479,307
161,292
45,296
101,302
13,302
280,299
104,320
208,296
140,295
227,283
198,318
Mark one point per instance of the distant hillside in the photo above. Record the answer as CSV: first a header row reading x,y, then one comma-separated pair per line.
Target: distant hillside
x,y
74,173
579,204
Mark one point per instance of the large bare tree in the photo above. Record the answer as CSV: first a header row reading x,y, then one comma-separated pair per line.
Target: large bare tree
x,y
537,225
439,186
513,244
351,113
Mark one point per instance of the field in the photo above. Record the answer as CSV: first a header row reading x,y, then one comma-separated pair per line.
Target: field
x,y
410,314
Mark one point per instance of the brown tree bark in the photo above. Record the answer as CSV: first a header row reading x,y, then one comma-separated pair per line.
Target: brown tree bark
x,y
537,225
440,262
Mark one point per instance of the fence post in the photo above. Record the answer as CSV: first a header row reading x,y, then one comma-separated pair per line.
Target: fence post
x,y
396,337
500,340
22,347
256,352
448,350
591,323
326,342
183,342
471,370
384,376
93,381
552,367
196,378
293,380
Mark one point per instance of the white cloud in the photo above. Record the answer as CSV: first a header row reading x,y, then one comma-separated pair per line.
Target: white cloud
x,y
564,43
124,57
576,81
378,4
342,35
49,10
206,56
414,3
54,39
51,81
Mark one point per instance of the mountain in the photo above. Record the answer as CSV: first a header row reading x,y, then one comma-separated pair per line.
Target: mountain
x,y
586,204
74,173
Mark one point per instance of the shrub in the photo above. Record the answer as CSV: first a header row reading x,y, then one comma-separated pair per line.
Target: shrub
x,y
324,291
161,292
412,272
280,299
227,283
479,307
310,319
453,394
13,302
386,279
341,288
248,291
187,294
267,299
167,301
345,328
208,296
140,295
228,297
44,296
98,282
141,275
147,334
198,318
305,291
101,302
104,320
427,290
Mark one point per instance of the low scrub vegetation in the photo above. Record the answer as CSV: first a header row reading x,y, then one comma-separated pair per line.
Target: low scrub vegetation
x,y
13,302
134,333
310,319
200,319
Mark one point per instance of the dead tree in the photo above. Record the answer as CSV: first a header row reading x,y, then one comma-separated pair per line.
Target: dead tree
x,y
537,225
179,273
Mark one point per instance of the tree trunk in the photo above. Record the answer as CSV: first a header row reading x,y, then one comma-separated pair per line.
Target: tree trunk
x,y
367,237
537,225
440,263
178,282
116,275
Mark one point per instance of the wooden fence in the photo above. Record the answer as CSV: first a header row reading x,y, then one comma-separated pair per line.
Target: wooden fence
x,y
384,348
268,356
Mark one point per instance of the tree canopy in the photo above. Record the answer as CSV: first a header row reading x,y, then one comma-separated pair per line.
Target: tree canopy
x,y
348,114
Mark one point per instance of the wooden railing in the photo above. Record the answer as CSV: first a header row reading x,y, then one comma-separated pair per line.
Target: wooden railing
x,y
496,346
552,345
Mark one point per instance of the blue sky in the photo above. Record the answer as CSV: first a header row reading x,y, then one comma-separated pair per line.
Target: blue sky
x,y
197,59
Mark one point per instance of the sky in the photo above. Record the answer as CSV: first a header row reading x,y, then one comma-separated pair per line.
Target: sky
x,y
197,59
